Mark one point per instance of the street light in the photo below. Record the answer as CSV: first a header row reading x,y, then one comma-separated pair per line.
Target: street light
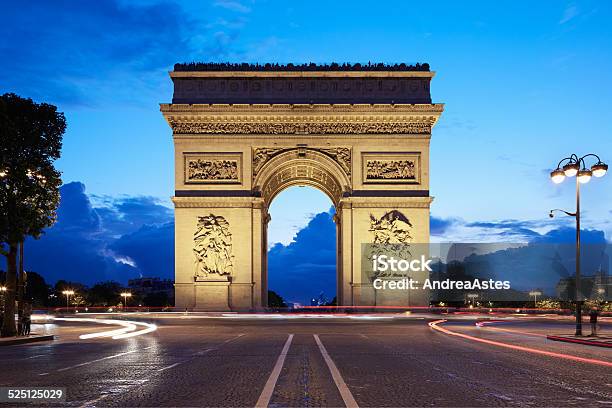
x,y
3,290
68,293
125,295
535,294
576,166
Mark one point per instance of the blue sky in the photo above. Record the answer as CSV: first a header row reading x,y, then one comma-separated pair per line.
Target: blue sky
x,y
525,83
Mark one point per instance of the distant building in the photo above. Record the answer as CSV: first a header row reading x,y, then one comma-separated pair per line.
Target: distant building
x,y
146,286
596,286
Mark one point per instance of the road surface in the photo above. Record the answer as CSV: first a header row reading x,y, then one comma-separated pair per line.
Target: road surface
x,y
315,362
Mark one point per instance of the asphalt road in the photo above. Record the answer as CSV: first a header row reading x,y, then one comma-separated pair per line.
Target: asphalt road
x,y
313,362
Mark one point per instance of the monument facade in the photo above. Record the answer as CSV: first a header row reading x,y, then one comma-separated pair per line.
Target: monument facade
x,y
244,133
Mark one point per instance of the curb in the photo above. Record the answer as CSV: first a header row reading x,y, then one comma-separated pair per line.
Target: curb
x,y
579,341
25,340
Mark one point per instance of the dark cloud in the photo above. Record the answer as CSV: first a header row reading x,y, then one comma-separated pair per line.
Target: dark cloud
x,y
75,211
439,226
151,248
120,216
307,266
126,238
72,51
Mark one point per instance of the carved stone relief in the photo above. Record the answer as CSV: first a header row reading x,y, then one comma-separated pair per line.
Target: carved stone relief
x,y
262,154
300,128
390,236
213,168
391,168
212,247
342,155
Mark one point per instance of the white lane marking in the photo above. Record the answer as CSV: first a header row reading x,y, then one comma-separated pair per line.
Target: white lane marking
x,y
96,360
345,393
170,366
43,374
233,338
36,356
266,394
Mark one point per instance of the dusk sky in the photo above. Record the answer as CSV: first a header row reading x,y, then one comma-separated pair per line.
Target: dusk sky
x,y
524,84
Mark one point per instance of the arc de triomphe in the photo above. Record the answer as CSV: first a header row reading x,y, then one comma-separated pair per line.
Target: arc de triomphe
x,y
244,133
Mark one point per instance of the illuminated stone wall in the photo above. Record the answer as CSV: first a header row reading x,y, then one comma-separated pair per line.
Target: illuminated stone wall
x,y
367,152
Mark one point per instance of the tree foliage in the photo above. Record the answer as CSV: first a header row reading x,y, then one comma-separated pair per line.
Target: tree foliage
x,y
105,294
275,300
30,141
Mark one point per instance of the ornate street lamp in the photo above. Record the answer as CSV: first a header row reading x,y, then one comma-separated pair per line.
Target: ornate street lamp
x,y
68,293
125,296
569,167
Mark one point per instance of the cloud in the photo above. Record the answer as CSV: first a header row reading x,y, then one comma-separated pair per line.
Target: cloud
x,y
570,12
306,267
439,226
150,248
69,52
123,215
126,238
233,6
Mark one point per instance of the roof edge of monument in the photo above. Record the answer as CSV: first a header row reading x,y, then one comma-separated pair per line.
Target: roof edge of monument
x,y
304,67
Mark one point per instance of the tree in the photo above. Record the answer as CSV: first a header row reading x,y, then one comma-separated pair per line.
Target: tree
x,y
59,299
156,299
275,300
37,290
105,294
30,141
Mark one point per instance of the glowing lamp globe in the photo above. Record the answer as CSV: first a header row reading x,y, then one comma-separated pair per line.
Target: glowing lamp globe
x,y
557,176
584,176
600,169
571,169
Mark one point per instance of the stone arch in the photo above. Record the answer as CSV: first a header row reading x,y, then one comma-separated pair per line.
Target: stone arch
x,y
301,167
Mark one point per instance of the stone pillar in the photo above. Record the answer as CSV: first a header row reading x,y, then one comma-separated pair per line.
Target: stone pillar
x,y
259,254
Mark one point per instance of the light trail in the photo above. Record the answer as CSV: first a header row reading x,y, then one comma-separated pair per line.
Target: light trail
x,y
435,325
128,329
148,329
487,324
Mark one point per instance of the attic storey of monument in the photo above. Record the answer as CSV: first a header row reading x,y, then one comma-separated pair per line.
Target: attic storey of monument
x,y
244,133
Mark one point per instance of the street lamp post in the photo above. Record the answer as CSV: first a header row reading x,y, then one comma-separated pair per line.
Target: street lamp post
x,y
569,167
472,297
535,294
125,295
3,290
68,293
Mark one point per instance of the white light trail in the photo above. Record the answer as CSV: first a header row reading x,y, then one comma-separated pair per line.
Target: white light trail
x,y
128,329
148,329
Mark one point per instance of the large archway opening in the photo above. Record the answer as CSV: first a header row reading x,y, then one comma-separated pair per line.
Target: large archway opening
x,y
301,253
